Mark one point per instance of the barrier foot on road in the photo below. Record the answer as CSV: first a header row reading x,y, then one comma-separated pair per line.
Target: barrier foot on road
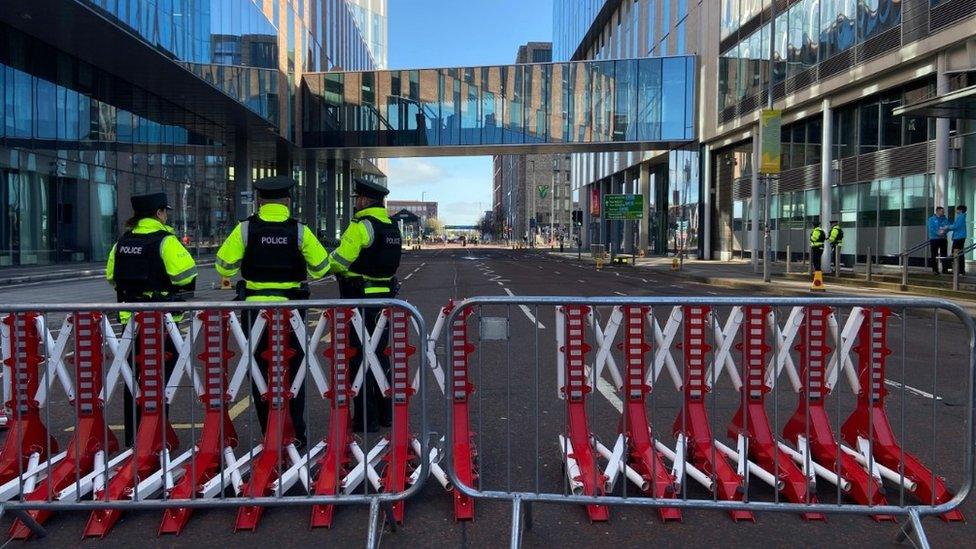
x,y
337,452
693,421
279,431
218,429
150,440
401,454
869,421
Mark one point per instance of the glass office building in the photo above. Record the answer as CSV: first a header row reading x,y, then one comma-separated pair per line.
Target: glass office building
x,y
195,98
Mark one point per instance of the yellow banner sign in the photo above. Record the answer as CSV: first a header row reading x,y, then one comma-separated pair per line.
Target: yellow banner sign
x,y
771,127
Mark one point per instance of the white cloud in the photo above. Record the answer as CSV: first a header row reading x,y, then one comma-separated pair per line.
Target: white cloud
x,y
462,213
413,171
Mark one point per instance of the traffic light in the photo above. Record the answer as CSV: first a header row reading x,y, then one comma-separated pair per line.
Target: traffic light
x,y
578,217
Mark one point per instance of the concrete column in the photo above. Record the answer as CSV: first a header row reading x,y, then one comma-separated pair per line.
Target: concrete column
x,y
707,202
754,211
330,198
346,195
283,158
310,206
645,190
941,135
826,175
585,229
242,174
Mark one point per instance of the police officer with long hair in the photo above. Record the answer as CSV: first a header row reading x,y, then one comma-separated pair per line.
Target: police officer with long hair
x,y
365,265
149,264
275,255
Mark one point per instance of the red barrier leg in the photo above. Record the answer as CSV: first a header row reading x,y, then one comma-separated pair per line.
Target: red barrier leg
x,y
279,432
218,429
333,463
149,436
870,419
460,390
26,433
810,420
693,422
642,455
89,437
751,420
399,351
578,430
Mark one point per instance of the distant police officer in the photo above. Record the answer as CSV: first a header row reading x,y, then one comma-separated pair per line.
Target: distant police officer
x,y
836,238
817,239
275,254
149,264
365,265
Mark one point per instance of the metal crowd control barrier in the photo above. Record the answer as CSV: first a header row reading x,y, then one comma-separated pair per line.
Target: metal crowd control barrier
x,y
63,363
732,436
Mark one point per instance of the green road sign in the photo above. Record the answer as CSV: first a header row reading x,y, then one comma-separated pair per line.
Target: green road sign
x,y
623,206
543,189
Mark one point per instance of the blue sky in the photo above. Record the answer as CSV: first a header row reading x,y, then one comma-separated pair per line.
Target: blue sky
x,y
449,33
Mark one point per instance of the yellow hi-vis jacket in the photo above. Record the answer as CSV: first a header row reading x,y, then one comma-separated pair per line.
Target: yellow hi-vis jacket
x,y
358,236
180,266
231,253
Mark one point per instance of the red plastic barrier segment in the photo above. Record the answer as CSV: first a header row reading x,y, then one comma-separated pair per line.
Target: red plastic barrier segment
x,y
870,419
279,432
218,430
460,390
399,351
810,420
90,435
575,390
751,420
642,455
151,360
333,463
26,433
693,421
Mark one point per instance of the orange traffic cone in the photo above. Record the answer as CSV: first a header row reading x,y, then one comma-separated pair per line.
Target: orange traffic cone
x,y
818,283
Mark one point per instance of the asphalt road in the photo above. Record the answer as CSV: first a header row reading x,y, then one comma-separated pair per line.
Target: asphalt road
x,y
516,417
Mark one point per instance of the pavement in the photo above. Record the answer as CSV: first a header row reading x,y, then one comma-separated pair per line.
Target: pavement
x,y
516,418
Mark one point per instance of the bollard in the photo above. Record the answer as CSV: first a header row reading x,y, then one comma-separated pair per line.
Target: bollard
x,y
904,271
836,261
789,259
868,267
956,257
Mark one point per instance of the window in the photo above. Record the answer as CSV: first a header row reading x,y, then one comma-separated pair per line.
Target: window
x,y
837,26
877,16
868,128
890,124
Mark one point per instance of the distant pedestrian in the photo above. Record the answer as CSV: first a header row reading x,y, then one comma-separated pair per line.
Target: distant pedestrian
x,y
960,230
817,239
938,244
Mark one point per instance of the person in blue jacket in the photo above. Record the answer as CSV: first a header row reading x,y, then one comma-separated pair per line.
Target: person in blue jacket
x,y
960,230
938,223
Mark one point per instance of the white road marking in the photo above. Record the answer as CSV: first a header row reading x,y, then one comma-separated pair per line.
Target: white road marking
x,y
525,310
408,276
557,272
912,390
620,293
581,281
644,280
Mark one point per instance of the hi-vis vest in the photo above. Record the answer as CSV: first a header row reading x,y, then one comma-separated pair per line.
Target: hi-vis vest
x,y
139,267
273,252
381,258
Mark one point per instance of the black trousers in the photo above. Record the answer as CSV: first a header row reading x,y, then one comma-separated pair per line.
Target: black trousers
x,y
370,406
959,244
816,256
939,247
132,413
296,406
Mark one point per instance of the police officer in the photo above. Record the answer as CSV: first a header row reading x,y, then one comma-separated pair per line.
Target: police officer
x,y
817,239
836,238
365,265
275,254
149,264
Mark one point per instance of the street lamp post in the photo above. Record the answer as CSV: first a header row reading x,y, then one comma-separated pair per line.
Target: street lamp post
x,y
530,210
552,203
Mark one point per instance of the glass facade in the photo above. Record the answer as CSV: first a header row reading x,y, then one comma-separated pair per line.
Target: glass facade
x,y
807,33
68,157
642,100
570,21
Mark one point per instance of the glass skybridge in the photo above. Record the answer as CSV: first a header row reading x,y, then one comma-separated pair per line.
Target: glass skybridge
x,y
582,106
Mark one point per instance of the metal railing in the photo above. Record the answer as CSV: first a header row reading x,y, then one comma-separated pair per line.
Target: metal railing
x,y
186,364
903,256
546,402
958,261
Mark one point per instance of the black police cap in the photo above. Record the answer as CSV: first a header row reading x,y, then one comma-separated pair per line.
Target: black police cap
x,y
149,203
274,187
370,189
